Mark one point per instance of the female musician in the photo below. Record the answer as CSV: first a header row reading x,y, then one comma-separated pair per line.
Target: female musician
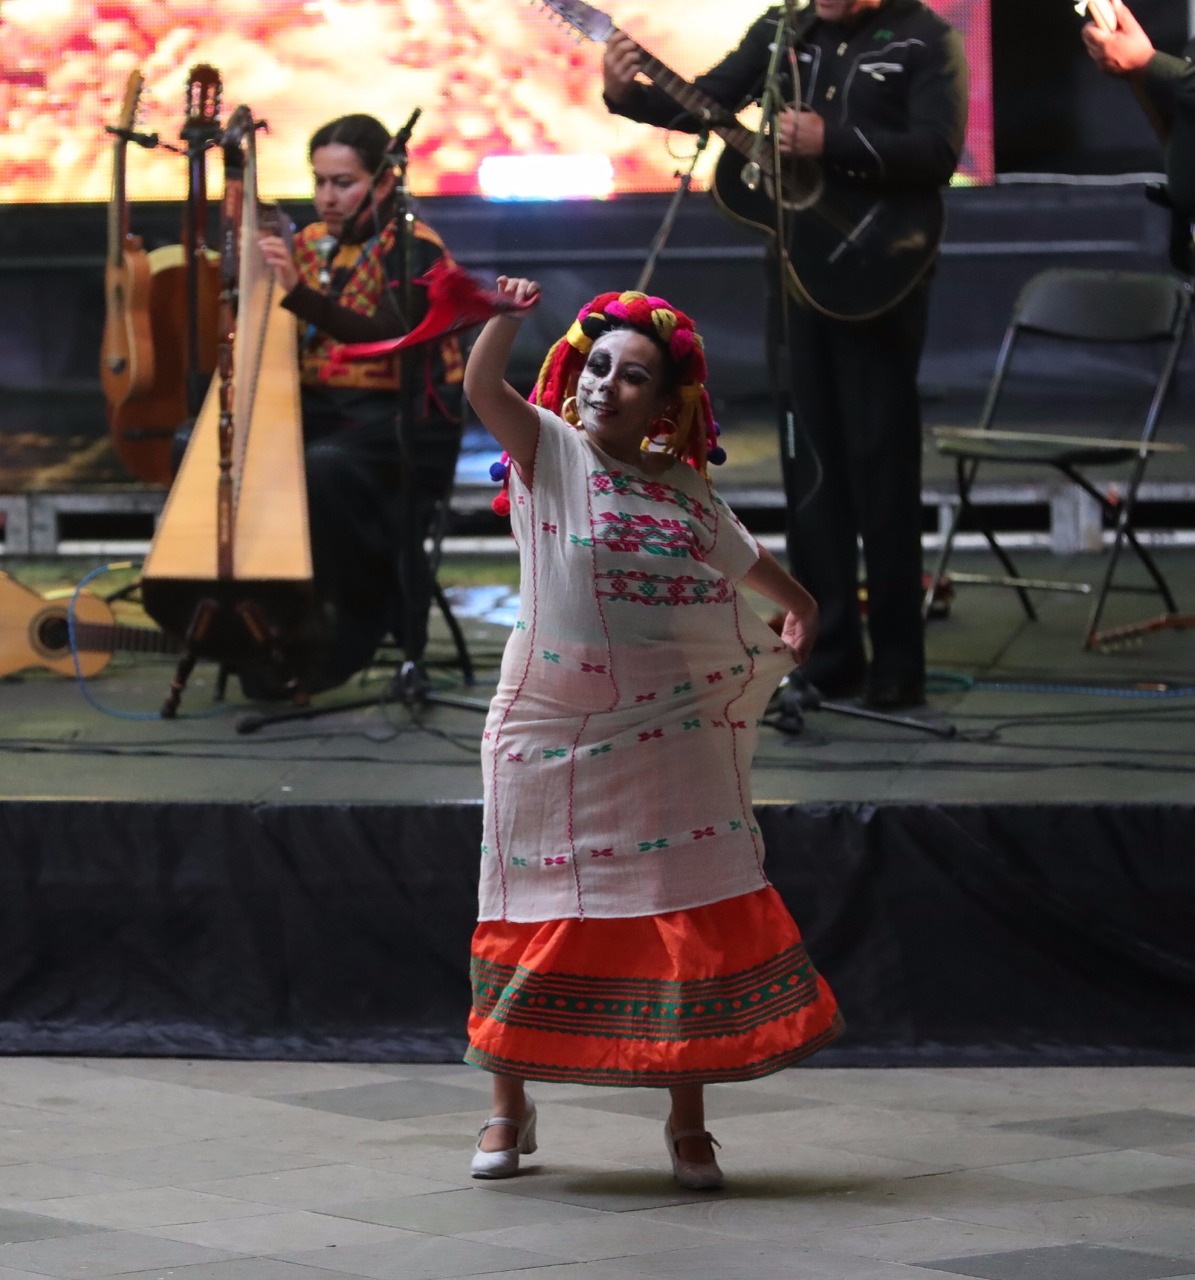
x,y
344,281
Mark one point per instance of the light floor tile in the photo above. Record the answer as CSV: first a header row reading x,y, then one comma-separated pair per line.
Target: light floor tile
x,y
594,1241
1106,1172
29,1183
320,1187
474,1209
253,1079
278,1233
107,1253
389,1100
923,1239
424,1258
145,1207
240,1269
188,1163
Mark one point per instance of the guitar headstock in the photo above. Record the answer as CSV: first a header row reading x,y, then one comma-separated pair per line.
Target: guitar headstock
x,y
590,22
204,91
132,98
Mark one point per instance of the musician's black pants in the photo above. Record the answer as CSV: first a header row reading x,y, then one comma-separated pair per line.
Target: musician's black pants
x,y
852,470
369,515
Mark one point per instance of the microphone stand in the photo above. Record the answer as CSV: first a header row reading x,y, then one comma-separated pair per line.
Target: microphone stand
x,y
416,578
773,105
661,238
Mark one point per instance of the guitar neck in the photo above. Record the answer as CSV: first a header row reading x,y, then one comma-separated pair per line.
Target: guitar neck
x,y
111,636
118,217
701,105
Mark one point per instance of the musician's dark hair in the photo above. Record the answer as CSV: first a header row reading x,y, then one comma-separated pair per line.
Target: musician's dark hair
x,y
367,136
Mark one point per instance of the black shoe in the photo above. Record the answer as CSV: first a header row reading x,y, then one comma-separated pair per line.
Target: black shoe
x,y
796,693
895,697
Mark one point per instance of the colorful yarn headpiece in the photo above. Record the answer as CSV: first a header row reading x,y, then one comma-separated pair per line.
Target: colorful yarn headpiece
x,y
691,433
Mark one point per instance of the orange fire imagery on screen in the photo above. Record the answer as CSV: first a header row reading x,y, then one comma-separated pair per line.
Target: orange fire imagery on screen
x,y
493,79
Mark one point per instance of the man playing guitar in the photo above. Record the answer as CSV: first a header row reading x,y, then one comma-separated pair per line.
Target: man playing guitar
x,y
877,104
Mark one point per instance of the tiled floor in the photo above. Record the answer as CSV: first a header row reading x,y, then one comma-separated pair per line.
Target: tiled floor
x,y
197,1170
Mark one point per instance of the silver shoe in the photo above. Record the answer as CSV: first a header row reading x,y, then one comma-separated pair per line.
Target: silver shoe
x,y
691,1175
505,1164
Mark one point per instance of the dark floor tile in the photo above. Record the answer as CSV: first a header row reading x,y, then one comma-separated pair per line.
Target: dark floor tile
x,y
17,1227
1182,1197
1142,1130
1066,1262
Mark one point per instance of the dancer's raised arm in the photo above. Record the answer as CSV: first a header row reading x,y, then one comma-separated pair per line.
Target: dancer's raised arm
x,y
507,416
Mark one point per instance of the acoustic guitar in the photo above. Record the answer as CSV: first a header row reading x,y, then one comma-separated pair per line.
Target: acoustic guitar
x,y
850,253
126,352
183,303
35,631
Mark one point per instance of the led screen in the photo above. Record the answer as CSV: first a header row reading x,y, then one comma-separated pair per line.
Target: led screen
x,y
494,78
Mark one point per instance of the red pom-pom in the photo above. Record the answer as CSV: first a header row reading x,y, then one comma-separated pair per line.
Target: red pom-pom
x,y
501,505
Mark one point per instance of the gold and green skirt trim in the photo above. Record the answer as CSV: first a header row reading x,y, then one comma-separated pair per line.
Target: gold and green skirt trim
x,y
715,993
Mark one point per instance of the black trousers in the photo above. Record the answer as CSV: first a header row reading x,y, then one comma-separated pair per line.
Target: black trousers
x,y
852,470
370,506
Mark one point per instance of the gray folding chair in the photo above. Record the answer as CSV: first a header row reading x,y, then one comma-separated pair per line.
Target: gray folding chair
x,y
1131,309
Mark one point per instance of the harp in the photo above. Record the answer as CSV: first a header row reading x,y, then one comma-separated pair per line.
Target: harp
x,y
229,569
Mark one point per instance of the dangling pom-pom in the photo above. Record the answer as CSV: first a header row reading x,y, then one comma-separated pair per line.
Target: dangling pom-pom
x,y
501,505
501,469
716,456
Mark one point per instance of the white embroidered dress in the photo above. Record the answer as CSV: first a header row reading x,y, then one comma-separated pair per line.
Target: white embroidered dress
x,y
618,747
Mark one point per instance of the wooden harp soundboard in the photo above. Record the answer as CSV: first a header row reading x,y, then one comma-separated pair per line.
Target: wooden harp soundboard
x,y
229,570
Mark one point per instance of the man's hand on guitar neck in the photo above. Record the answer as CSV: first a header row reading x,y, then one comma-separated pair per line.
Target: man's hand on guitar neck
x,y
802,133
1123,52
620,66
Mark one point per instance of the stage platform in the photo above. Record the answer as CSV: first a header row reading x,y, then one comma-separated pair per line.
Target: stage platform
x,y
1006,878
1013,884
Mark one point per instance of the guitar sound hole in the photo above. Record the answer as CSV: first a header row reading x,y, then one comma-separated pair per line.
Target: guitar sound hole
x,y
53,634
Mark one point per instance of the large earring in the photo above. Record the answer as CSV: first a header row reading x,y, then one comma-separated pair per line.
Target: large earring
x,y
568,411
662,427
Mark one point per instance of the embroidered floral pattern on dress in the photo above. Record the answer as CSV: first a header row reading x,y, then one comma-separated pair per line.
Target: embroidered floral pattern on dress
x,y
632,586
602,483
618,531
644,843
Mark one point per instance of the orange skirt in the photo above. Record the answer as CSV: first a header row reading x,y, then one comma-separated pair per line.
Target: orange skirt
x,y
720,992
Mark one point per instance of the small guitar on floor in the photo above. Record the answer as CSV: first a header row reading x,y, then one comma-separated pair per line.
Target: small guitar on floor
x,y
850,253
35,631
